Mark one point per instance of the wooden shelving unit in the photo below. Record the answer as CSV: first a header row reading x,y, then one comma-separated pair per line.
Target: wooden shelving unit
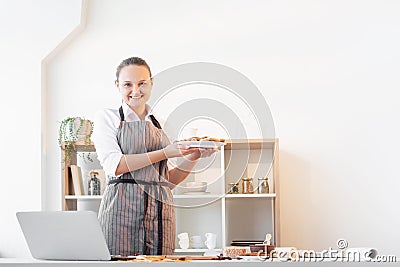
x,y
230,216
69,200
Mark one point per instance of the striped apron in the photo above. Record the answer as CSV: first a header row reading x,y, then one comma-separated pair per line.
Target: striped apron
x,y
136,212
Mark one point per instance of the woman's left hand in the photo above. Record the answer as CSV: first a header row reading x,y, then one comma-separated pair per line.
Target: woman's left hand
x,y
200,153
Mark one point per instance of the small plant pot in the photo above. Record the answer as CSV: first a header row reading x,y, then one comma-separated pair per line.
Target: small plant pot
x,y
72,130
85,129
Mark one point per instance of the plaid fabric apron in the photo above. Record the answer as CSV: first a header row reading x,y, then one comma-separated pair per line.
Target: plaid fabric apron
x,y
136,212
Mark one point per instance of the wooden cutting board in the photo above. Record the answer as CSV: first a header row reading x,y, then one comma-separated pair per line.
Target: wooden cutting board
x,y
253,254
196,257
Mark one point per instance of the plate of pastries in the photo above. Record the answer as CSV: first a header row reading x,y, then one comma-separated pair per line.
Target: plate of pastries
x,y
203,142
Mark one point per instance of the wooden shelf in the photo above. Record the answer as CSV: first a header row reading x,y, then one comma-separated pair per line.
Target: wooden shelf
x,y
272,195
241,144
251,195
82,147
183,196
82,197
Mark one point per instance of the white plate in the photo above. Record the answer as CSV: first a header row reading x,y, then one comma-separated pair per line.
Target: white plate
x,y
202,144
252,258
212,252
196,193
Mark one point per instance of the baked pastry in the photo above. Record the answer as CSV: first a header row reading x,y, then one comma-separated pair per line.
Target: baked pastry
x,y
204,138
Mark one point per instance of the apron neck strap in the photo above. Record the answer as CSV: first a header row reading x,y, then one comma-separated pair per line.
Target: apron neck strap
x,y
121,114
155,122
153,119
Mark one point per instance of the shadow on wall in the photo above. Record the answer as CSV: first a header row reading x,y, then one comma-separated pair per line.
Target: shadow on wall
x,y
294,176
295,201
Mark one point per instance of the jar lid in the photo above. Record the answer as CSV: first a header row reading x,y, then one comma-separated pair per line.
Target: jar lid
x,y
247,179
93,173
233,183
266,178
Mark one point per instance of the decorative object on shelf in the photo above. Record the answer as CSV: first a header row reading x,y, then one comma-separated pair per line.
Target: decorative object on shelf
x,y
77,181
196,241
101,176
196,186
233,188
247,185
263,187
94,184
267,240
265,246
74,129
211,240
183,240
234,251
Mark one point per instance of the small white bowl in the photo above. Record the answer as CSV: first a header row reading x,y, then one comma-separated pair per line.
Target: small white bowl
x,y
196,186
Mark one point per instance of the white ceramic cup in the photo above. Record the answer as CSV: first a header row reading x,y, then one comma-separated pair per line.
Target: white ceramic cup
x,y
183,236
196,241
211,240
184,243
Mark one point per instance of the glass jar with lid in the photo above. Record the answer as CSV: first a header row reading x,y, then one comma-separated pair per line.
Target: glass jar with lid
x,y
94,184
247,185
263,187
233,188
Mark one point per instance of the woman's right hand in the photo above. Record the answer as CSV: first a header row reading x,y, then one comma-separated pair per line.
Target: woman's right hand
x,y
175,150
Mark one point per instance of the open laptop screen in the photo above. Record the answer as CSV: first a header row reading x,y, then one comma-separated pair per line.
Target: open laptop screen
x,y
64,235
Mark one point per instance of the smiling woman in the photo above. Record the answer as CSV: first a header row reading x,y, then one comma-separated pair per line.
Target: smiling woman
x,y
136,212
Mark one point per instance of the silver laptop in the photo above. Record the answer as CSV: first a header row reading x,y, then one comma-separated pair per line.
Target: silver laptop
x,y
64,235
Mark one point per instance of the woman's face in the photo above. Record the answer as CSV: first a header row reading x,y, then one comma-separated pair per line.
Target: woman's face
x,y
134,85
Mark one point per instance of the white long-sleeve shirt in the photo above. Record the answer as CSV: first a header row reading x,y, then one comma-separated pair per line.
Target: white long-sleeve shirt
x,y
104,135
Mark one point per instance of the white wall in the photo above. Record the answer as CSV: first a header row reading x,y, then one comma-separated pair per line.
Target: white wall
x,y
29,30
328,70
